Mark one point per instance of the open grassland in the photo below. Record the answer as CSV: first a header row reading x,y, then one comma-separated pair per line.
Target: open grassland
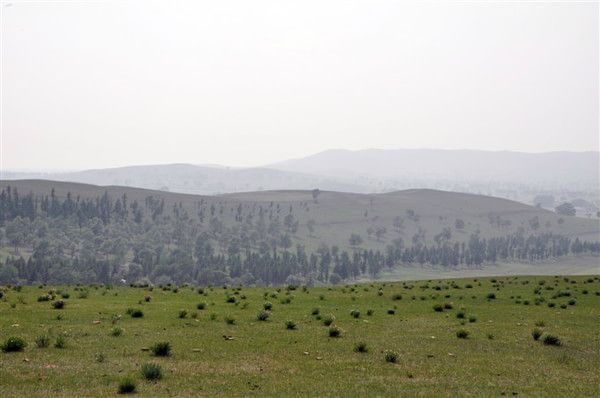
x,y
411,333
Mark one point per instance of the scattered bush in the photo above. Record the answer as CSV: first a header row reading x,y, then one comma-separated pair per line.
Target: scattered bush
x,y
361,346
58,305
60,342
116,331
14,344
201,306
448,306
490,296
391,356
151,371
182,314
263,315
391,311
550,339
462,334
290,325
355,313
135,312
536,334
370,312
315,311
472,319
397,297
127,386
267,306
438,308
460,314
335,331
328,319
229,320
161,349
42,341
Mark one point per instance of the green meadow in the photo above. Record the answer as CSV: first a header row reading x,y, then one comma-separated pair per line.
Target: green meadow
x,y
465,337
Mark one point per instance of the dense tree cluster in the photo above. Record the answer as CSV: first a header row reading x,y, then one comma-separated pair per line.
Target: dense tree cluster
x,y
106,240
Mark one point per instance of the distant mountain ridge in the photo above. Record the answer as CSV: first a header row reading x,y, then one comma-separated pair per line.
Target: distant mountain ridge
x,y
193,179
513,175
450,164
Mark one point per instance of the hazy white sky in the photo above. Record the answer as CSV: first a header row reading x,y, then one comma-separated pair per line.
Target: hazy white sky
x,y
98,84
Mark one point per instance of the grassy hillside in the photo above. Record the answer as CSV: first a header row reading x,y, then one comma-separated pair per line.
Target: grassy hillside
x,y
222,349
337,215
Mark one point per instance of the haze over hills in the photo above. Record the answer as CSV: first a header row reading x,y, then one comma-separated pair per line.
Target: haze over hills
x,y
460,165
197,179
566,176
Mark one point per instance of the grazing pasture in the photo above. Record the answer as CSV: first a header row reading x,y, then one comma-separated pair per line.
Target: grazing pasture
x,y
525,336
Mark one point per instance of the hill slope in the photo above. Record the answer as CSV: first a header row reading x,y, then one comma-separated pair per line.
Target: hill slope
x,y
337,215
57,232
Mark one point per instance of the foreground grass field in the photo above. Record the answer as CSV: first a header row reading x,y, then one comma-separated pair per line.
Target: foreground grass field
x,y
223,349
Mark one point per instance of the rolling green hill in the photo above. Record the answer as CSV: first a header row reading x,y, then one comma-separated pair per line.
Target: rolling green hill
x,y
268,236
338,214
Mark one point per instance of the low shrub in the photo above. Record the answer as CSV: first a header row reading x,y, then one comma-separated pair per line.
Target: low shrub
x,y
14,344
328,319
263,315
135,312
355,313
267,306
334,331
42,341
151,371
438,307
462,334
201,306
391,356
116,331
550,339
60,342
161,349
361,346
126,386
290,325
536,334
58,305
